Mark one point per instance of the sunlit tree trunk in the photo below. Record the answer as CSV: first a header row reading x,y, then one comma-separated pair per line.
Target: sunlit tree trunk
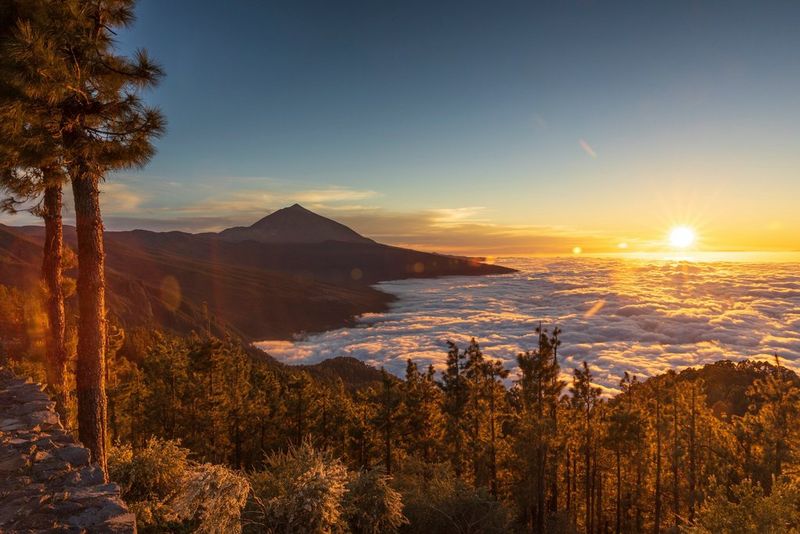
x,y
51,273
90,374
493,442
675,471
599,503
692,455
657,505
574,490
588,479
619,491
638,491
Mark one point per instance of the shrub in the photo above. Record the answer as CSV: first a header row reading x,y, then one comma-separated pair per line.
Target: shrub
x,y
301,491
169,493
437,502
373,506
750,510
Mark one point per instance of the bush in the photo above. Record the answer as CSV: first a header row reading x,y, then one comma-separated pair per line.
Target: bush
x,y
169,493
436,502
373,506
301,491
750,511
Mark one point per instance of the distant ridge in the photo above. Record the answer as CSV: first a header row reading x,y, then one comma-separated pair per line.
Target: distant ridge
x,y
291,272
294,224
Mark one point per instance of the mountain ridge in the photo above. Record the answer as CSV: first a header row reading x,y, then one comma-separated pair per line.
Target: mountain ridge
x,y
259,290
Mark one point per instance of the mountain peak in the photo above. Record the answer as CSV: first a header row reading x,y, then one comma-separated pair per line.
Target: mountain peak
x,y
294,224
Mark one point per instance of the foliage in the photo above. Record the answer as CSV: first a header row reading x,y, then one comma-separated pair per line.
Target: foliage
x,y
213,497
435,502
170,493
372,505
300,491
749,510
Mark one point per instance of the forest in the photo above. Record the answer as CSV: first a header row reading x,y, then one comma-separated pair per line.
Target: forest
x,y
466,448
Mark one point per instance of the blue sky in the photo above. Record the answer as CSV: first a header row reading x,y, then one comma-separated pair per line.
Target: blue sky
x,y
503,125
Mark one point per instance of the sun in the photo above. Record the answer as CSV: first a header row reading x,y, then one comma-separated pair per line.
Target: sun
x,y
682,237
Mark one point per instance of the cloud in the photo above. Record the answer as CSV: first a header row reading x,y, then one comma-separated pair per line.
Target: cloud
x,y
655,316
331,194
467,230
457,217
259,202
118,197
136,202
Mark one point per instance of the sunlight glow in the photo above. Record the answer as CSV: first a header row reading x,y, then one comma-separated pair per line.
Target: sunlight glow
x,y
682,237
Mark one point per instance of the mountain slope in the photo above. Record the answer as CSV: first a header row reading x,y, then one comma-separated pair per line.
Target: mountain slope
x,y
294,224
260,290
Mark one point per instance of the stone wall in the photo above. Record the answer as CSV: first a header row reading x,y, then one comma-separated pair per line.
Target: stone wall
x,y
46,481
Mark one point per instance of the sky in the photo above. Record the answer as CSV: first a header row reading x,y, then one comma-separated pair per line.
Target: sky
x,y
497,127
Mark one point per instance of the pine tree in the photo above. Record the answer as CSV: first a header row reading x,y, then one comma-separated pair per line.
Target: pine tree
x,y
456,396
387,406
586,398
496,374
475,377
774,402
624,431
539,390
102,125
301,407
421,415
32,173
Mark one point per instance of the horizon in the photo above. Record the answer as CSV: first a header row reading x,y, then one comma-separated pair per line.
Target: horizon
x,y
602,124
655,252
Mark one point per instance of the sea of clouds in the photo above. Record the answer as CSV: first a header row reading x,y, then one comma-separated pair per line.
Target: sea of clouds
x,y
618,314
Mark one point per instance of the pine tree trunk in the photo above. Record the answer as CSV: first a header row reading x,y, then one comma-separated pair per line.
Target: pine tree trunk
x,y
588,480
575,490
657,504
567,483
388,431
51,273
599,521
638,491
90,375
692,457
493,444
619,492
540,487
676,512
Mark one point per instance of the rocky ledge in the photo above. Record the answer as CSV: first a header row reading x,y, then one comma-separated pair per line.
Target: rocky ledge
x,y
46,481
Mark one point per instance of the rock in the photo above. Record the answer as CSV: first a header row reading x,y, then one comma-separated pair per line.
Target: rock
x,y
47,483
11,464
76,456
41,456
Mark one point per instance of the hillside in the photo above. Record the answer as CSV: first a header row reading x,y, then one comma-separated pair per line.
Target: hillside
x,y
261,290
353,373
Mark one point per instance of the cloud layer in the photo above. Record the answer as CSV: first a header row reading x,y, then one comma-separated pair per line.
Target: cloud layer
x,y
617,314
